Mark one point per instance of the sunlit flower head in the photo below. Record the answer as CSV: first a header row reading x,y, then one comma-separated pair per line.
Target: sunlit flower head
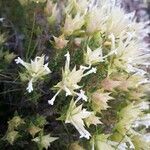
x,y
95,19
70,80
76,115
118,21
73,24
35,70
130,54
107,16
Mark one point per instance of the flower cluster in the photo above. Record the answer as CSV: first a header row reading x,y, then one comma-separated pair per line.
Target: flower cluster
x,y
101,87
70,80
35,70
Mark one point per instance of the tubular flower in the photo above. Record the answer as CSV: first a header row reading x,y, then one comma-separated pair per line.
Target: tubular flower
x,y
35,70
76,115
70,80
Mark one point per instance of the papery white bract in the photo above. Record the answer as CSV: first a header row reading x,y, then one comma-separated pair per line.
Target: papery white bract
x,y
92,119
44,140
76,115
127,117
73,24
35,70
70,80
93,57
130,54
96,18
75,6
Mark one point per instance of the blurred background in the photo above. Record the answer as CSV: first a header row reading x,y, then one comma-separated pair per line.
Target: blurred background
x,y
142,8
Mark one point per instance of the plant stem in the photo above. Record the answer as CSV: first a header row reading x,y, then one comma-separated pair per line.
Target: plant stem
x,y
32,31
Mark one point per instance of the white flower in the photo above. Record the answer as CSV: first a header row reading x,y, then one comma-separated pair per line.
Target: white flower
x,y
93,57
82,95
73,24
92,119
96,56
70,80
108,17
128,139
30,86
130,54
36,70
76,115
117,21
96,18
